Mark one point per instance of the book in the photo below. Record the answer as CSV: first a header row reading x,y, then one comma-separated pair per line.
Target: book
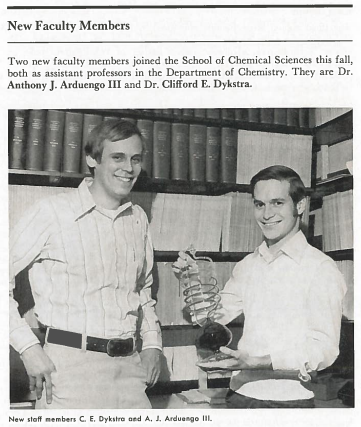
x,y
17,142
213,113
280,116
229,155
197,152
90,121
187,112
213,154
266,115
253,115
292,117
241,114
303,117
179,151
35,140
73,130
53,145
161,150
227,114
339,154
146,129
200,113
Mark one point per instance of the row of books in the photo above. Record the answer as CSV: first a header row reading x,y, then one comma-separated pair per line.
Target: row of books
x,y
209,223
293,117
334,221
334,159
337,220
53,140
49,140
258,150
347,269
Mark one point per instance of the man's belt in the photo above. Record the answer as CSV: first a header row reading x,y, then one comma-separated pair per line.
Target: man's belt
x,y
113,347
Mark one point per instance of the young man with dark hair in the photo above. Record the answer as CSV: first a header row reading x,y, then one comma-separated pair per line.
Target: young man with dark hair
x,y
90,257
289,292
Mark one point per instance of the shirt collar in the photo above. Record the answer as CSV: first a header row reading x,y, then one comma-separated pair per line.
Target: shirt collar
x,y
87,203
294,248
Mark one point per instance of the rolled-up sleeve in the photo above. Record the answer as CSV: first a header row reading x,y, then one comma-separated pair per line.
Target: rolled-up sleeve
x,y
150,327
26,240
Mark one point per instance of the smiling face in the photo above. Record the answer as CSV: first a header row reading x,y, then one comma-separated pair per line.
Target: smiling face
x,y
275,212
117,172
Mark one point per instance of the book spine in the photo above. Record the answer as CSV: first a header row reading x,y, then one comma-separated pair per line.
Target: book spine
x,y
89,123
241,115
197,152
161,150
17,140
188,112
292,117
213,154
54,131
303,117
213,113
266,115
72,142
35,140
280,116
180,151
146,129
200,113
227,114
229,138
253,115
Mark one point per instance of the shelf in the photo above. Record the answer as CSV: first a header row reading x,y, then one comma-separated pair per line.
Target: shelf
x,y
41,178
334,131
62,179
343,182
171,256
341,255
161,116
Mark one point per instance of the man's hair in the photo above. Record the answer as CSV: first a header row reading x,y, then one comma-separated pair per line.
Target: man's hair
x,y
109,130
282,173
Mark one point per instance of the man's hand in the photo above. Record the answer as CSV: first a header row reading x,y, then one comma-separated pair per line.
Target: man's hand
x,y
151,363
185,265
39,368
235,360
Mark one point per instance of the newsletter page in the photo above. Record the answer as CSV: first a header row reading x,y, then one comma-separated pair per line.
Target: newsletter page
x,y
217,91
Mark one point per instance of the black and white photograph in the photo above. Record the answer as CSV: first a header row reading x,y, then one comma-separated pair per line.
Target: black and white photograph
x,y
179,221
184,256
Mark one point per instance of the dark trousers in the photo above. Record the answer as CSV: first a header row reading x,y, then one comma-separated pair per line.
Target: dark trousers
x,y
236,400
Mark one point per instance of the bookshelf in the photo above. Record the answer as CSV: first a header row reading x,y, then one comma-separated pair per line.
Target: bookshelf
x,y
332,132
331,205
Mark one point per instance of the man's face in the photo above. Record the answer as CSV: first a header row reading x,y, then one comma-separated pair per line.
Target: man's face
x,y
119,167
275,211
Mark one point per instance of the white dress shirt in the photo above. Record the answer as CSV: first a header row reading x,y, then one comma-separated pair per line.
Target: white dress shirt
x,y
90,269
292,303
